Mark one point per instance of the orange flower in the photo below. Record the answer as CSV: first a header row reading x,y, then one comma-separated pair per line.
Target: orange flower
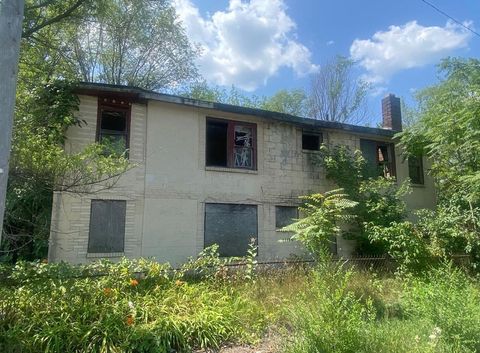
x,y
133,282
107,291
130,320
178,283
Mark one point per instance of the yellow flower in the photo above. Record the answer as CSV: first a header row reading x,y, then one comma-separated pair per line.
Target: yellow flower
x,y
178,283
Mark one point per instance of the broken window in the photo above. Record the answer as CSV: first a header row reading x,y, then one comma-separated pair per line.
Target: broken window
x,y
285,215
380,158
311,141
415,170
231,226
113,125
230,144
107,226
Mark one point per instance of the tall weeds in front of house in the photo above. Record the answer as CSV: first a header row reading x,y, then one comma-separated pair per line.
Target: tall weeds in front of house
x,y
143,306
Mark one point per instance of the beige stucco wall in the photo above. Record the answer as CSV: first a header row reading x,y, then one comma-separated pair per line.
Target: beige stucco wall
x,y
166,192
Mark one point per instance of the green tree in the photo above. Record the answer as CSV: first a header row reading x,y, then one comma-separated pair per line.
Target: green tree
x,y
289,102
129,42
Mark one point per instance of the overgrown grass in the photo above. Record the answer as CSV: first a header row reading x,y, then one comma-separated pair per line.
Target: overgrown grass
x,y
327,309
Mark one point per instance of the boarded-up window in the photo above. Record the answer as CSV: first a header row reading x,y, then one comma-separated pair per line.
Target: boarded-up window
x,y
380,158
107,226
415,170
231,226
285,215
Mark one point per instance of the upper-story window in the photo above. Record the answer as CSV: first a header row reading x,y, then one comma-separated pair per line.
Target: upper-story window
x,y
113,125
230,144
415,170
380,157
311,141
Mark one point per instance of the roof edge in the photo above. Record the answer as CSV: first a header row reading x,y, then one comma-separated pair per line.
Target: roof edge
x,y
140,94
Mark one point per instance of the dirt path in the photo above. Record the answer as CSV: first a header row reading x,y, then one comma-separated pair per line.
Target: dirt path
x,y
270,344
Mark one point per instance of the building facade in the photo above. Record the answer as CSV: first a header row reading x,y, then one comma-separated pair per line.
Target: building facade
x,y
207,173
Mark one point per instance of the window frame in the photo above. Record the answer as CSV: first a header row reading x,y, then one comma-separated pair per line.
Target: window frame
x,y
231,143
422,171
318,134
391,149
116,105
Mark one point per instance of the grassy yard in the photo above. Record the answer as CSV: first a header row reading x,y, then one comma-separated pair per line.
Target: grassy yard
x,y
111,308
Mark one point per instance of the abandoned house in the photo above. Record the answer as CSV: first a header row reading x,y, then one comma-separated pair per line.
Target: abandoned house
x,y
208,173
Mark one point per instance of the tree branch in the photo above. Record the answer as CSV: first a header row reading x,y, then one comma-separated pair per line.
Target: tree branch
x,y
58,18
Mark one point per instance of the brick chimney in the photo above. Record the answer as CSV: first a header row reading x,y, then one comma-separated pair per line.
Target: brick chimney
x,y
391,113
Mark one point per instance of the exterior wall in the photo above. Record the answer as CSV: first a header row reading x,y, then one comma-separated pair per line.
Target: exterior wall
x,y
166,192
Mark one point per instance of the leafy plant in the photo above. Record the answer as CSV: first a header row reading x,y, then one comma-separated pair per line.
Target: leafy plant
x,y
322,218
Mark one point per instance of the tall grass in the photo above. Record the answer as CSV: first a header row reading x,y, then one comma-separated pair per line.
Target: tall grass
x,y
326,309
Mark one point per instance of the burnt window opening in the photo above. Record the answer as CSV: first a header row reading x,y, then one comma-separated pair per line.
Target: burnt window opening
x,y
379,157
107,226
285,215
415,170
311,141
230,144
217,133
231,226
113,126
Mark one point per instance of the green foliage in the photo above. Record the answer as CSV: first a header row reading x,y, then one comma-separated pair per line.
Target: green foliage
x,y
328,317
40,165
322,217
438,313
404,243
290,102
448,299
378,200
451,106
131,306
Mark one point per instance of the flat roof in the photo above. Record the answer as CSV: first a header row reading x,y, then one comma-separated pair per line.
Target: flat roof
x,y
141,94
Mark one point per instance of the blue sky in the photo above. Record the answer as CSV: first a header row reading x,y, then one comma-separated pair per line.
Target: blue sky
x,y
262,46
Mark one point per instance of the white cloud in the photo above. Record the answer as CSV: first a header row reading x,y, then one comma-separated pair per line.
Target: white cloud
x,y
245,44
330,42
407,46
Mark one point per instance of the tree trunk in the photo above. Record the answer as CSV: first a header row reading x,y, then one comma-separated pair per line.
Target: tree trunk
x,y
11,17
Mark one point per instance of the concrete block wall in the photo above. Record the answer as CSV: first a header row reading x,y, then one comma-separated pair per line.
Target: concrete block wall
x,y
167,189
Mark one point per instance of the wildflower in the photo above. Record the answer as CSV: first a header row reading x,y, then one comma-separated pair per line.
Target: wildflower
x,y
130,305
178,283
130,320
107,291
133,282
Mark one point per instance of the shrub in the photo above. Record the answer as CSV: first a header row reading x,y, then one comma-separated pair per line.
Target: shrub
x,y
321,219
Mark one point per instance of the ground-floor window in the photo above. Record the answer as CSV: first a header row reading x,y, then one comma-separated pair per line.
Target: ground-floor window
x,y
107,226
231,226
285,215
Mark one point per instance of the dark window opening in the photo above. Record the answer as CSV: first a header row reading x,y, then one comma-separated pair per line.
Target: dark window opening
x,y
415,170
107,226
230,144
231,226
379,157
311,142
217,143
113,126
285,215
